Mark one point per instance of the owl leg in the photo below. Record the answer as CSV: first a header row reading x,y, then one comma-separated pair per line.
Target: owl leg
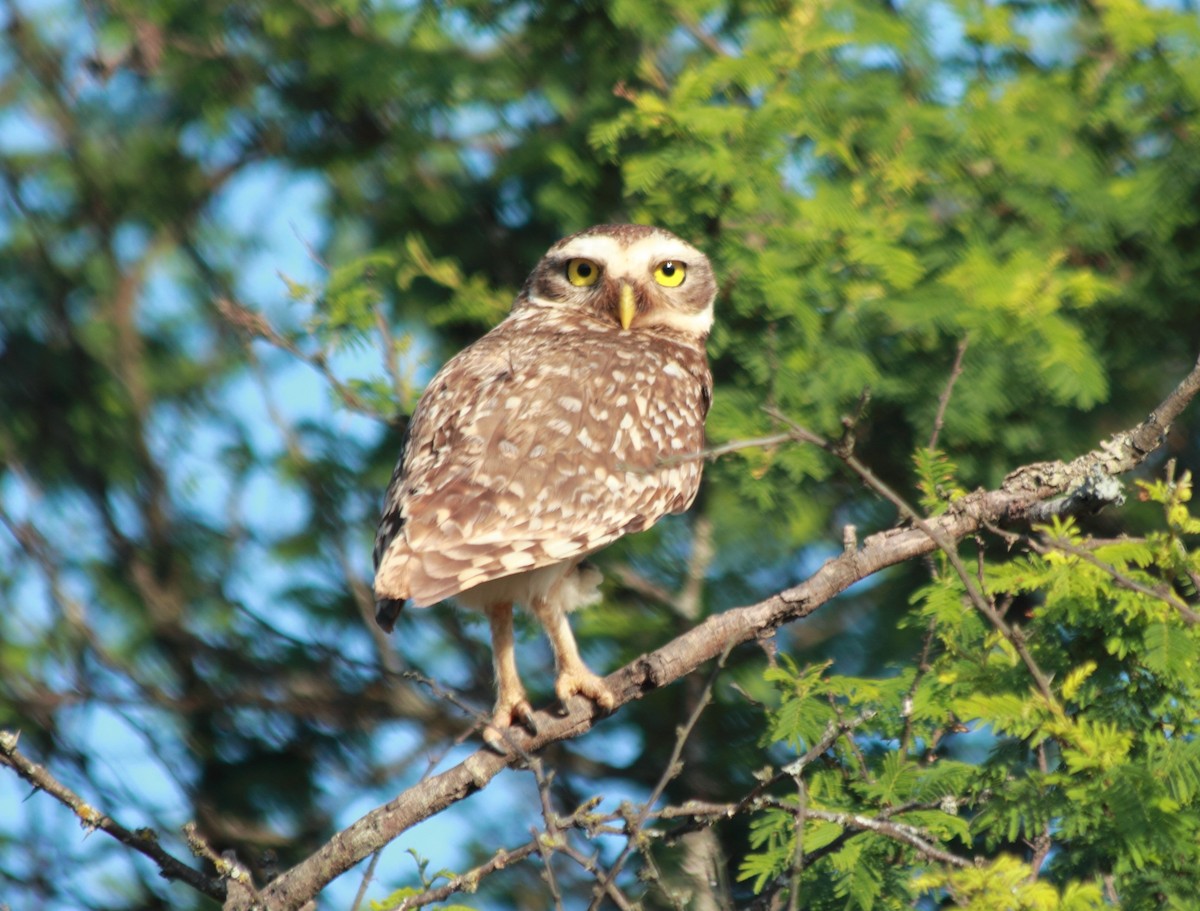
x,y
573,675
512,705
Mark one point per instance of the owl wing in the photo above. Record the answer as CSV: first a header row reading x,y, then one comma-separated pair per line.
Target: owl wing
x,y
530,448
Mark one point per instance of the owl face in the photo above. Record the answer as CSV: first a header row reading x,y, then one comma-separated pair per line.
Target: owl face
x,y
629,276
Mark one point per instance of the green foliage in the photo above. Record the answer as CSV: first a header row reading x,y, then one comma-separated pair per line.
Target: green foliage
x,y
1099,778
935,479
1007,883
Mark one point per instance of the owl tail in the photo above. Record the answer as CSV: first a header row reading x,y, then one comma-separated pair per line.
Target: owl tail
x,y
387,612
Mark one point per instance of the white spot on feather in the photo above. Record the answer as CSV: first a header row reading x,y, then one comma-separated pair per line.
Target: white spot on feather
x,y
516,559
560,548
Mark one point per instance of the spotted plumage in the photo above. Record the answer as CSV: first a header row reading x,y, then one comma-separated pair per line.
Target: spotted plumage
x,y
575,421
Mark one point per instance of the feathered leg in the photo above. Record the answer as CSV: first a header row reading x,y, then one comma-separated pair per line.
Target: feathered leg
x,y
512,705
573,675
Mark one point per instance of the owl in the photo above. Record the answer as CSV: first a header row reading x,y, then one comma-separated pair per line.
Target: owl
x,y
575,421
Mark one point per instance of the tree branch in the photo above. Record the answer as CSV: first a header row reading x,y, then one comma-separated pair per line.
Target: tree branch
x,y
143,840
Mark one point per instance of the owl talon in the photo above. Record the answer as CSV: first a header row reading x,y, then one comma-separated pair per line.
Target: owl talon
x,y
507,715
583,682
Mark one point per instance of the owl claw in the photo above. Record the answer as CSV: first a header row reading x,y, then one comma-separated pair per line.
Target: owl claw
x,y
585,683
507,714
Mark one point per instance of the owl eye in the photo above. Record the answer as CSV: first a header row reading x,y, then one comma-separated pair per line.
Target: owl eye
x,y
671,273
582,273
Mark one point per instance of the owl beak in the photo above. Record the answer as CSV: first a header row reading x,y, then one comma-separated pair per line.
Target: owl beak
x,y
626,306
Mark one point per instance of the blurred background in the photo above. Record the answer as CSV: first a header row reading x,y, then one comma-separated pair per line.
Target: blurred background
x,y
237,239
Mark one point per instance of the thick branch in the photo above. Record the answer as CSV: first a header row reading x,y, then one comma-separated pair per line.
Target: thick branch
x,y
1031,493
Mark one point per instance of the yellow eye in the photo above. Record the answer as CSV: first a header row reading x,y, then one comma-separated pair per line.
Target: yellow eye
x,y
582,273
671,273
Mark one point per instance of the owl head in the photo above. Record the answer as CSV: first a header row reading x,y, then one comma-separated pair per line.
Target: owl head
x,y
631,277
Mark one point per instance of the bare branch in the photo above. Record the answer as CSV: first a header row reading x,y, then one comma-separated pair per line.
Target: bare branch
x,y
898,831
946,543
672,769
955,372
467,882
145,841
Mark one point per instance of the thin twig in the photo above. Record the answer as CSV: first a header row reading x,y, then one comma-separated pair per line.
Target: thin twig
x,y
1189,615
614,894
671,770
255,325
144,841
797,871
793,769
467,882
582,818
553,834
1013,634
387,344
897,831
955,372
1044,840
367,878
882,824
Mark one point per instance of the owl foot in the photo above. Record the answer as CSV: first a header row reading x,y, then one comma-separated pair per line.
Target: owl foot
x,y
582,681
508,713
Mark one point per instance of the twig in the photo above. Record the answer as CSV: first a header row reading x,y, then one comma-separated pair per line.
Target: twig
x,y
712,453
367,877
256,325
144,841
1188,614
672,769
1044,840
896,831
391,366
589,864
553,834
955,372
797,872
793,769
882,824
945,542
470,880
467,882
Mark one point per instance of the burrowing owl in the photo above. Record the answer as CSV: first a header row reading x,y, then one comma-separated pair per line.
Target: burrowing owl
x,y
567,426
